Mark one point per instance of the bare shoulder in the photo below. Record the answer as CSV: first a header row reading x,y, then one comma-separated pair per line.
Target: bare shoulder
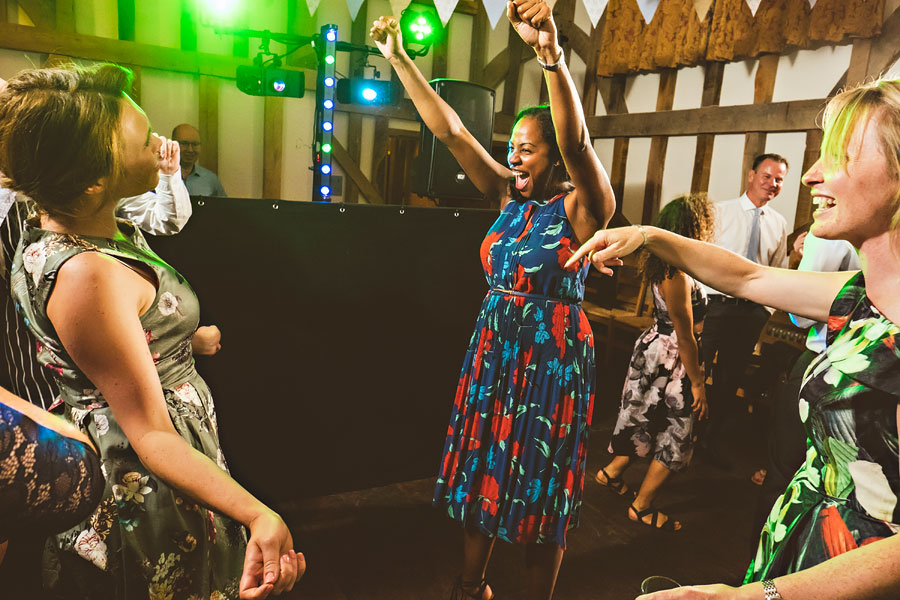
x,y
93,278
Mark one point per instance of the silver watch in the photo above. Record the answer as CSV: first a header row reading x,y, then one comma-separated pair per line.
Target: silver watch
x,y
770,590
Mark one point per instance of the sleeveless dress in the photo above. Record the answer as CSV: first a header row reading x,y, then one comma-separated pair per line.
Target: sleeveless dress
x,y
514,457
845,494
146,539
655,414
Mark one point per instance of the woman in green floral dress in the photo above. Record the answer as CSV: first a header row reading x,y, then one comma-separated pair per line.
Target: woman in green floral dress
x,y
113,324
831,535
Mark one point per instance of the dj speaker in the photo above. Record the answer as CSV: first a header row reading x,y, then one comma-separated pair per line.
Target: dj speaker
x,y
436,172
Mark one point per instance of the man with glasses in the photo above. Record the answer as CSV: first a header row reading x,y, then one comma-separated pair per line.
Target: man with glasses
x,y
199,181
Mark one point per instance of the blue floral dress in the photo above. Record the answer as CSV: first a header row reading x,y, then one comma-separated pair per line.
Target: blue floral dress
x,y
514,457
845,494
146,540
655,414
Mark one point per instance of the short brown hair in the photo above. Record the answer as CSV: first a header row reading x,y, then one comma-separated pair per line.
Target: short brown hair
x,y
58,132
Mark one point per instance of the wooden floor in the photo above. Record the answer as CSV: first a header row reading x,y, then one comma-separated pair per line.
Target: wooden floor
x,y
389,542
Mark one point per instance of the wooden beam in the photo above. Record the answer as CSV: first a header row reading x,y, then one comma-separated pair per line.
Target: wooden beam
x,y
188,23
804,197
797,115
209,122
273,132
352,170
32,39
763,90
590,88
615,105
516,49
495,70
127,14
858,71
358,34
712,92
4,11
477,56
658,146
65,16
41,12
439,60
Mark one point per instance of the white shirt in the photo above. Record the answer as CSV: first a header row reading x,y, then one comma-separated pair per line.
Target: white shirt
x,y
734,219
826,256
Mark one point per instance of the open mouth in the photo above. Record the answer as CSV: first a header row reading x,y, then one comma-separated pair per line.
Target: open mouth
x,y
521,180
824,202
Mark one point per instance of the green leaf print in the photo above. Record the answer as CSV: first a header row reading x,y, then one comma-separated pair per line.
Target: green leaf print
x,y
543,447
534,269
545,421
551,246
554,229
838,482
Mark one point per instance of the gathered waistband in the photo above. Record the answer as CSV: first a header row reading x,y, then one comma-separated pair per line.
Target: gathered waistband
x,y
533,296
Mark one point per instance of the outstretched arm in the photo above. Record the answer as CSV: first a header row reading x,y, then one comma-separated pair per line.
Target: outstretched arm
x,y
799,292
490,177
166,210
677,293
591,205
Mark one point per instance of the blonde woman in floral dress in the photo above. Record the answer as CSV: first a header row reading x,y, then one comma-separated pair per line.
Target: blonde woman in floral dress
x,y
114,324
832,534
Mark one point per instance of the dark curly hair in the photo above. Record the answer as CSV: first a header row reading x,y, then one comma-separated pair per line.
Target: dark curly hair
x,y
59,132
559,176
688,215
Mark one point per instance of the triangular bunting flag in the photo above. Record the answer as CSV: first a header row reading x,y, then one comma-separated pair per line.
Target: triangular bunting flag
x,y
353,5
595,10
397,7
312,5
494,9
445,9
812,4
648,9
754,6
702,8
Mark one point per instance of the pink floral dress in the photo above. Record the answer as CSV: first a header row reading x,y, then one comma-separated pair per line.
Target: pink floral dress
x,y
145,540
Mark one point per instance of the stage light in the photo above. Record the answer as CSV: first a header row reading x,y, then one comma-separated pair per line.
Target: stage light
x,y
327,126
269,81
221,8
329,59
329,82
331,35
325,191
326,148
328,104
364,91
421,27
326,169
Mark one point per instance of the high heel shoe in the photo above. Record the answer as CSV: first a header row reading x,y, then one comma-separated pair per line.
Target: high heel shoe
x,y
463,590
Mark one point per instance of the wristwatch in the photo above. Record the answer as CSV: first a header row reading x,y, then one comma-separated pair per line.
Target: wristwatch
x,y
770,590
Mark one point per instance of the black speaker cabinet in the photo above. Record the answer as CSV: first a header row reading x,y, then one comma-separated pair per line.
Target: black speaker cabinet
x,y
436,172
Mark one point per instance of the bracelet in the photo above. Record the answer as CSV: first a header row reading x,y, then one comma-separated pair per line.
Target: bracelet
x,y
770,590
552,66
644,234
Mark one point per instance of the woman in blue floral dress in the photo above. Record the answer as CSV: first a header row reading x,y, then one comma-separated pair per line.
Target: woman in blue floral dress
x,y
113,325
832,534
513,462
665,388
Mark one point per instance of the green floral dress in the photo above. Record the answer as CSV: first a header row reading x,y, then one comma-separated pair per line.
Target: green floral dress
x,y
845,495
145,540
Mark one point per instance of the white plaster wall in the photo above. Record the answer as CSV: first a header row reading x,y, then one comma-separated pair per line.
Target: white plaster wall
x,y
13,61
459,46
296,178
635,178
97,17
170,99
158,23
640,93
809,74
679,167
792,146
689,88
737,83
725,177
240,142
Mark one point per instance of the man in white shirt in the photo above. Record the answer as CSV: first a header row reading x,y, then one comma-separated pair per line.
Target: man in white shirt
x,y
749,227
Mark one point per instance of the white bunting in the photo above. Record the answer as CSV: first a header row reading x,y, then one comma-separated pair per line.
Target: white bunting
x,y
812,4
354,5
494,9
397,7
445,9
648,9
312,5
754,6
702,8
595,10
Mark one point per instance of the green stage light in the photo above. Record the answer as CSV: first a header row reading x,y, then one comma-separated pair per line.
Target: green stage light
x,y
220,8
326,148
421,28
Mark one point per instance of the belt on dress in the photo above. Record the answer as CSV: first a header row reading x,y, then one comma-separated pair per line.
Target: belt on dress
x,y
532,296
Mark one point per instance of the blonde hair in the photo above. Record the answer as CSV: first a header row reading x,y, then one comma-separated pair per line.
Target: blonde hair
x,y
852,109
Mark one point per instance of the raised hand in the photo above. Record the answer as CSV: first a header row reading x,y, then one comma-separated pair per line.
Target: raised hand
x,y
169,156
385,32
533,21
607,246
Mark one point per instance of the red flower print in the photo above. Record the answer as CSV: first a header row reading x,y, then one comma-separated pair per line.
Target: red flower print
x,y
837,323
489,490
570,482
149,335
560,320
584,329
484,345
489,241
529,528
523,281
473,433
564,252
505,428
838,538
529,223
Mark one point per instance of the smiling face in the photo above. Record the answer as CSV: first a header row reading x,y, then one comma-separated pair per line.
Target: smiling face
x,y
529,157
138,152
857,199
188,137
764,183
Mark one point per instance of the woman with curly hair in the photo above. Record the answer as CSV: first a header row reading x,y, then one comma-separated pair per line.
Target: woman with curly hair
x,y
664,391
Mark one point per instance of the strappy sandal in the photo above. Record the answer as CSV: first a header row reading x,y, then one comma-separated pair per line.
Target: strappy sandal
x,y
469,589
669,525
615,485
